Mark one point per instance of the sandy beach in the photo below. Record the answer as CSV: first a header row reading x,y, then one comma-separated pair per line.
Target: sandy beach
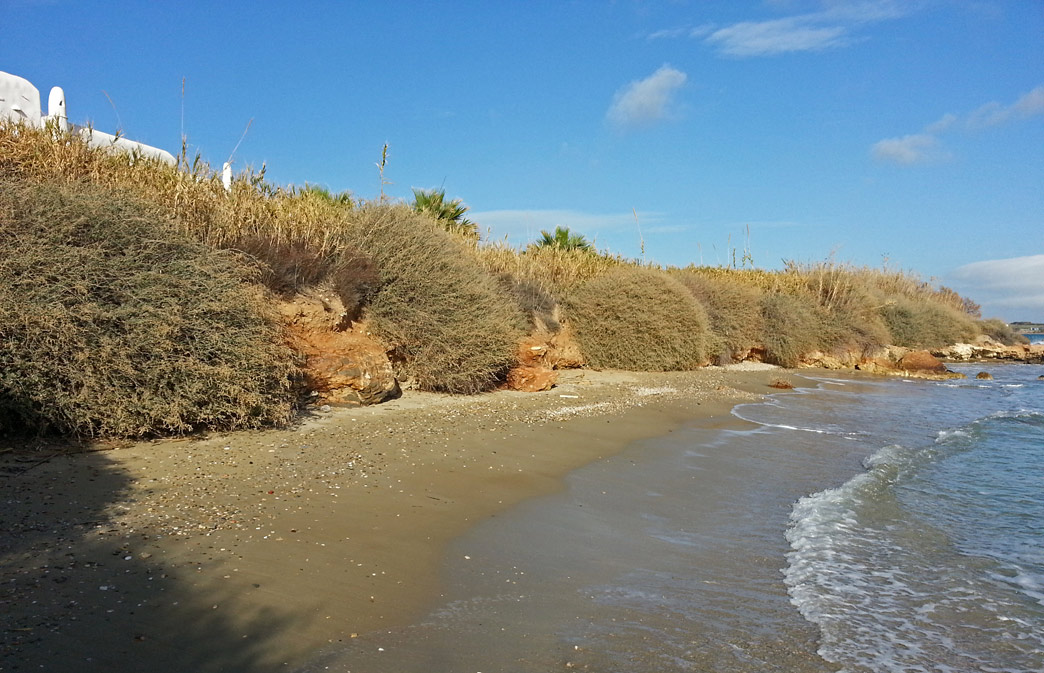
x,y
254,551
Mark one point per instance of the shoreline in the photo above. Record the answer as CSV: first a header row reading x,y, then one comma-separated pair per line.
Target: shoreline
x,y
253,551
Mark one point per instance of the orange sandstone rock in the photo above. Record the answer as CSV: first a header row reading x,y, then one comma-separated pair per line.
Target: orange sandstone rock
x,y
344,364
921,362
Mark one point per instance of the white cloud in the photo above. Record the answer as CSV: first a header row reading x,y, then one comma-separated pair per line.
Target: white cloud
x,y
681,31
702,29
924,146
911,149
645,101
992,114
768,38
1030,104
942,124
1014,285
1015,274
829,28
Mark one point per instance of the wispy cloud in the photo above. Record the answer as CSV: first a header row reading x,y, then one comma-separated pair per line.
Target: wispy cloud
x,y
925,146
1015,274
682,31
645,101
830,28
1014,285
992,114
767,38
912,149
668,33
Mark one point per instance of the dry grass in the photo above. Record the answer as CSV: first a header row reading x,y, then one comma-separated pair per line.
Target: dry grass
x,y
554,270
452,311
193,197
537,278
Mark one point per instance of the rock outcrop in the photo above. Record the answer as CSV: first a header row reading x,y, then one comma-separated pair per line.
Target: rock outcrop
x,y
541,356
845,360
346,368
564,351
344,364
899,361
534,371
984,348
921,362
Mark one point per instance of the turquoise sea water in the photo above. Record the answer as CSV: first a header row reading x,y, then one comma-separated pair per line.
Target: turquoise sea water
x,y
860,525
933,558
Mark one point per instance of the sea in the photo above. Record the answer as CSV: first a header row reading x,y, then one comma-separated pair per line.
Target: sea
x,y
857,524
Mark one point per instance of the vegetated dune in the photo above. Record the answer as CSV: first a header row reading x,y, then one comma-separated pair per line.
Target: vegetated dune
x,y
141,299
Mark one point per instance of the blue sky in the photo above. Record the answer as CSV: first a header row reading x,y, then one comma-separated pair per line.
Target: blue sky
x,y
870,131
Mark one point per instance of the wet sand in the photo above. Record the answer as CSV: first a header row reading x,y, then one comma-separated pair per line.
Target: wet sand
x,y
667,556
253,551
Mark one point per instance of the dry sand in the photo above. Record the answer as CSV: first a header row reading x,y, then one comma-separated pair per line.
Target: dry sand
x,y
252,551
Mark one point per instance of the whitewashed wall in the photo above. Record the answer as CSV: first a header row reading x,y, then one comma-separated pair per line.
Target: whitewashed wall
x,y
20,102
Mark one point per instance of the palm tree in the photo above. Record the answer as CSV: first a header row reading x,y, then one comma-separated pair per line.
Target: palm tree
x,y
342,198
563,239
450,214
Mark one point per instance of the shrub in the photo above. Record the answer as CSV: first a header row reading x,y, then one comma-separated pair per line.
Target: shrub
x,y
535,302
733,308
791,328
638,319
920,323
114,324
1001,331
862,332
452,326
289,267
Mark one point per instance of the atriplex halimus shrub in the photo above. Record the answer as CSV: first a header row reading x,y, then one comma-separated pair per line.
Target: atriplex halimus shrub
x,y
112,324
453,327
638,319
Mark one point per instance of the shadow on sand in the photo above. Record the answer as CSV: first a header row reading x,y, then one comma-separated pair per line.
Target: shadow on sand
x,y
79,591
